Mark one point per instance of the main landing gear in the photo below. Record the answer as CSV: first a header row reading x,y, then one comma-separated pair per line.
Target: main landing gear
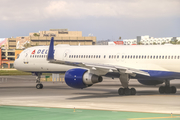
x,y
39,85
127,91
167,89
124,78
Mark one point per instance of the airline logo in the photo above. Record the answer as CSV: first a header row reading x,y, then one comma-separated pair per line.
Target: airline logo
x,y
33,52
40,51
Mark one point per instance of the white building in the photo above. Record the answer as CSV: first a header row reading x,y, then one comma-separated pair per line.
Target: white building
x,y
146,40
129,41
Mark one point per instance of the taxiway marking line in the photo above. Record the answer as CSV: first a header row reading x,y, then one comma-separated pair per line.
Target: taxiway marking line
x,y
153,118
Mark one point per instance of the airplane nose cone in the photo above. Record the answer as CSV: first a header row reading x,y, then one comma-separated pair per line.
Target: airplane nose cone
x,y
15,64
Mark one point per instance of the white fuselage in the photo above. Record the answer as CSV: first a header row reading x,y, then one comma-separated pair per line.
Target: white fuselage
x,y
142,57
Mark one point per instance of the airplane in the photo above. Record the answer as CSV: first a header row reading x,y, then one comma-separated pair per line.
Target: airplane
x,y
85,65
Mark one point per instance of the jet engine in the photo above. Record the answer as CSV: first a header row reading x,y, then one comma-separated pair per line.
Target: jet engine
x,y
81,78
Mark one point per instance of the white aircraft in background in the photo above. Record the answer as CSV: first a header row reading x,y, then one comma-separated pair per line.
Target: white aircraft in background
x,y
85,65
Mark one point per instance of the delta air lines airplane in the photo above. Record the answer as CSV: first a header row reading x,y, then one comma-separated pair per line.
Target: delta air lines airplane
x,y
85,65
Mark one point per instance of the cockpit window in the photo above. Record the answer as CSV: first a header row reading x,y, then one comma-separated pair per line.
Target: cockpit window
x,y
18,56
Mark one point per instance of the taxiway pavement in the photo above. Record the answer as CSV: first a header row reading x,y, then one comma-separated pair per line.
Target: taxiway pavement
x,y
21,91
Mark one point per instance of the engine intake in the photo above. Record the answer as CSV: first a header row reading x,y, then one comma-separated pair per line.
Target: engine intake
x,y
81,78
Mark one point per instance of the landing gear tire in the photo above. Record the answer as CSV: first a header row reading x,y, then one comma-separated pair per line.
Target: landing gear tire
x,y
173,89
167,89
133,91
121,91
161,89
126,91
39,86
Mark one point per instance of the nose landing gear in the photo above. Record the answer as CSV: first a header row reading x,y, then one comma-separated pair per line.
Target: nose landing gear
x,y
39,85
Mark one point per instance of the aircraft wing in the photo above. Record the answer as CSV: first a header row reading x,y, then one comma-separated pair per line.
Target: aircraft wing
x,y
102,69
95,68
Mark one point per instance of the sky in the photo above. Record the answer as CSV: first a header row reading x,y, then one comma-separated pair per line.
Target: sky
x,y
105,19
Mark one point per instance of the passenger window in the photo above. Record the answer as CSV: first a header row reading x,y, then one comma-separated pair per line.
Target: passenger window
x,y
178,57
89,56
148,57
79,56
136,56
162,57
171,57
109,56
156,57
99,56
142,56
174,57
96,56
165,57
118,56
69,56
168,57
151,57
86,56
114,56
139,57
122,56
125,56
74,56
128,56
159,57
131,56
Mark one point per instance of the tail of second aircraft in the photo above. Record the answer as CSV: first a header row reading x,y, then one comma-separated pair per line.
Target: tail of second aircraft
x,y
51,50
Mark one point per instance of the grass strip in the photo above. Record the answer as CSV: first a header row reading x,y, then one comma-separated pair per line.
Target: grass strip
x,y
17,72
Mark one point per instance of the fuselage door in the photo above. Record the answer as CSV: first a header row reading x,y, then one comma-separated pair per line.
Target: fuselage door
x,y
66,54
26,55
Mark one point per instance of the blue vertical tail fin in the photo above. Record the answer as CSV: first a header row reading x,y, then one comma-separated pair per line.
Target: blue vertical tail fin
x,y
51,50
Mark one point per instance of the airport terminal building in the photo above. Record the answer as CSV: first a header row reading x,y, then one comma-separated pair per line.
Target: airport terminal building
x,y
14,46
61,36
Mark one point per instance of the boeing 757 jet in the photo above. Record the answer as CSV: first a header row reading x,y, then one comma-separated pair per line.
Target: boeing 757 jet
x,y
85,65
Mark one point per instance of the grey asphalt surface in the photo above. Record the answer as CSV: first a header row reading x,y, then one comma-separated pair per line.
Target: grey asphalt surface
x,y
21,91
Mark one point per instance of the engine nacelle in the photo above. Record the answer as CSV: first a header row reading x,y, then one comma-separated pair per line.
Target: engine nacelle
x,y
150,82
81,78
